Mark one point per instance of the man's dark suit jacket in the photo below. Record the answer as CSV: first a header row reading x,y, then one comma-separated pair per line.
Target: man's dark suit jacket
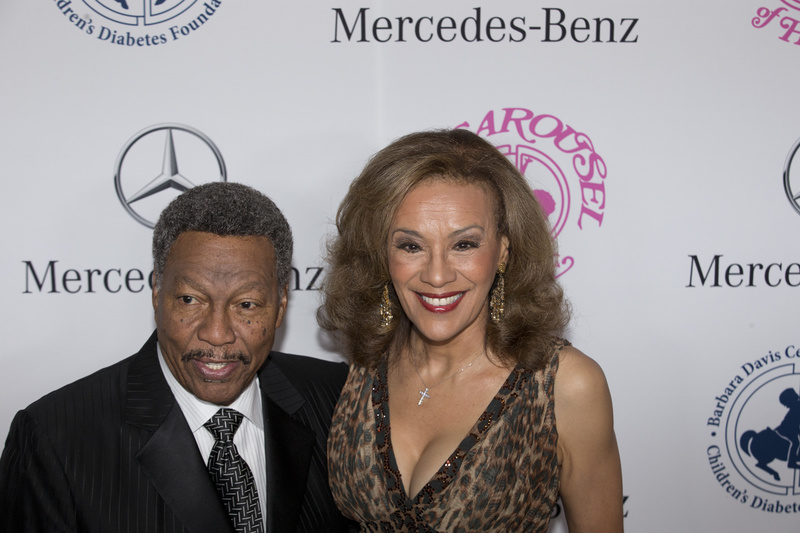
x,y
113,453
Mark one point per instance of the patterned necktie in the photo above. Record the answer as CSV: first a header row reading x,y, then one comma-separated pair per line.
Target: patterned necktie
x,y
231,475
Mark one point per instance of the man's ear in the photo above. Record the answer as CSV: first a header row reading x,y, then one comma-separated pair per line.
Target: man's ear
x,y
154,293
282,303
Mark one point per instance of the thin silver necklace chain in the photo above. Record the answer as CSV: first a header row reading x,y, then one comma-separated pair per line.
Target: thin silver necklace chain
x,y
423,394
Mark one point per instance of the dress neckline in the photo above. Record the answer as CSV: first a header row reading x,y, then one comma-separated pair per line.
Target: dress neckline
x,y
449,469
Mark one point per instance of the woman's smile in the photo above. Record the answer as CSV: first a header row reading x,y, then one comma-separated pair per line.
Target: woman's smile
x,y
441,303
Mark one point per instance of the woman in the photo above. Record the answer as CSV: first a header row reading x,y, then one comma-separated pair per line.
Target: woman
x,y
442,288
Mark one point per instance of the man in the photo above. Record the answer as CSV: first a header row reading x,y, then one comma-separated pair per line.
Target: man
x,y
144,445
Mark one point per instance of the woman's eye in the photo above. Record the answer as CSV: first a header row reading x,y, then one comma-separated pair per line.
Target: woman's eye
x,y
408,246
466,245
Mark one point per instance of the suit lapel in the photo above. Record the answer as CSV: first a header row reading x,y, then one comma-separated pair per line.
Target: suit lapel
x,y
289,445
170,458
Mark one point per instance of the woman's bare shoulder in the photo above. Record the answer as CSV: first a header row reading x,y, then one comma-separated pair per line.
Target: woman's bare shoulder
x,y
579,378
591,476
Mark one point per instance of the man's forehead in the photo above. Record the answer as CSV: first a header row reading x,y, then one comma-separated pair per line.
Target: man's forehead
x,y
200,241
197,234
228,253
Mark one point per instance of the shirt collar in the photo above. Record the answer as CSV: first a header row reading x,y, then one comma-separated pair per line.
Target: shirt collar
x,y
197,411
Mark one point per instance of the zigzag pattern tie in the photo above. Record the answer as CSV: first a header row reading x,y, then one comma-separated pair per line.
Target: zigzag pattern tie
x,y
231,475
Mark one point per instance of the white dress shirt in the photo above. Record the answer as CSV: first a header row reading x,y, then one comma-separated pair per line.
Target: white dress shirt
x,y
249,438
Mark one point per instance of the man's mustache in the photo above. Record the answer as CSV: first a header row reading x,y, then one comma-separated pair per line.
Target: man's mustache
x,y
218,357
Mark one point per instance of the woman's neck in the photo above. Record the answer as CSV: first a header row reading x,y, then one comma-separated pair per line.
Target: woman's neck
x,y
442,359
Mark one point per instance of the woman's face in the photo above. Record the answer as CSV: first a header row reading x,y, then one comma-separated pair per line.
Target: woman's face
x,y
443,253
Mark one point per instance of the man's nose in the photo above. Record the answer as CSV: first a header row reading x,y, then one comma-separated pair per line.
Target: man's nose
x,y
216,328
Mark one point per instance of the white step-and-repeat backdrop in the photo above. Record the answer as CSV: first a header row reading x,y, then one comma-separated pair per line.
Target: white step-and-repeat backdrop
x,y
660,137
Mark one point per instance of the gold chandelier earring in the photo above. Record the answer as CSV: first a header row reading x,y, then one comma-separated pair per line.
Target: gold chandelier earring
x,y
386,307
498,300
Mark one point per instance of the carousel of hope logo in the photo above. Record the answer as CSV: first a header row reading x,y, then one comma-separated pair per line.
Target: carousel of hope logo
x,y
559,163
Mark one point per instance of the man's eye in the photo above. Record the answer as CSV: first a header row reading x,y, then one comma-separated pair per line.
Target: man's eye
x,y
187,299
248,305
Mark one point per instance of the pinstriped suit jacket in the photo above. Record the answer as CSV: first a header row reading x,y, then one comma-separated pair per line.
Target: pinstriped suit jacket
x,y
112,452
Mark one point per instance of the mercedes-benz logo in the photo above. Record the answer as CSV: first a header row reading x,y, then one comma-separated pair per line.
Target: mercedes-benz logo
x,y
791,178
151,190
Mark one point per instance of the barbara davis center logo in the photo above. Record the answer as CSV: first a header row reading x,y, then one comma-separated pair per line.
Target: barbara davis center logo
x,y
138,23
754,453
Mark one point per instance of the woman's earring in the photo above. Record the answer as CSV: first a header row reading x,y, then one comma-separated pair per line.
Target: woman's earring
x,y
498,299
386,307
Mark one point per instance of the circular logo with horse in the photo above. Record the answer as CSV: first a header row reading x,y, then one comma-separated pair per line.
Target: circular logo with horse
x,y
138,23
763,431
756,434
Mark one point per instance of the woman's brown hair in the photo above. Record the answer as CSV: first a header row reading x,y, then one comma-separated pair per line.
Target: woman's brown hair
x,y
535,308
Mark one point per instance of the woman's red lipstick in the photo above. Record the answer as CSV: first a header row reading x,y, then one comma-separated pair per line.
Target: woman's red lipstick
x,y
440,303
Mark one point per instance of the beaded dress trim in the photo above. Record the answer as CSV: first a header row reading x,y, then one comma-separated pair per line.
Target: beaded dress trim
x,y
447,472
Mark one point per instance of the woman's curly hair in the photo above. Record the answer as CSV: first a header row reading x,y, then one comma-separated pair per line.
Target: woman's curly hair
x,y
535,308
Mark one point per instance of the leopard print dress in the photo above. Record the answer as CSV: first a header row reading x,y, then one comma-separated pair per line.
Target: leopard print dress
x,y
502,477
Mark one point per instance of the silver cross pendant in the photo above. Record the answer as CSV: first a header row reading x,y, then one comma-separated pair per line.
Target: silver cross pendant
x,y
423,394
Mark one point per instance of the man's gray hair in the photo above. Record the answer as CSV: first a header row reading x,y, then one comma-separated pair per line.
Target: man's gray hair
x,y
225,209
